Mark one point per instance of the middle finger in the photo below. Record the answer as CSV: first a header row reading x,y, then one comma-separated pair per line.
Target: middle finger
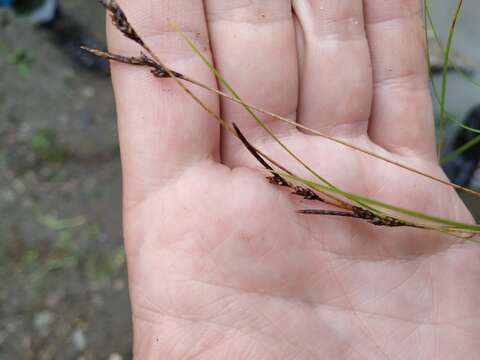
x,y
336,83
254,47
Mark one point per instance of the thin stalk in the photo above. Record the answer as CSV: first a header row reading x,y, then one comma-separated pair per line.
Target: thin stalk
x,y
121,22
429,20
452,227
448,116
249,109
338,141
441,132
448,225
468,145
290,122
254,116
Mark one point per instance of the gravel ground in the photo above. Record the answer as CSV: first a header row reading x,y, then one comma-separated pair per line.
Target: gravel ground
x,y
62,268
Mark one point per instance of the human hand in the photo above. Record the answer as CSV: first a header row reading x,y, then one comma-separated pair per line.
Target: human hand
x,y
220,264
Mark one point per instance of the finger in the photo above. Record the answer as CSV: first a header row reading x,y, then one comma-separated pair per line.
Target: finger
x,y
254,48
162,131
402,119
335,87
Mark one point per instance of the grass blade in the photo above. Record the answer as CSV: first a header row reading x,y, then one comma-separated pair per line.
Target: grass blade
x,y
443,97
461,149
250,109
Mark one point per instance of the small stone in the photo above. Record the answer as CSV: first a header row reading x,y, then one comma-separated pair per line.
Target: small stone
x,y
88,92
69,73
42,321
119,285
79,105
54,298
3,336
8,196
79,340
97,300
19,186
115,356
63,119
26,342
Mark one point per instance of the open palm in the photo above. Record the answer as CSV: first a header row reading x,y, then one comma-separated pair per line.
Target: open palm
x,y
220,265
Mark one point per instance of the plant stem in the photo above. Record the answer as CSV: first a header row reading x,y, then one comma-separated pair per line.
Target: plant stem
x,y
441,128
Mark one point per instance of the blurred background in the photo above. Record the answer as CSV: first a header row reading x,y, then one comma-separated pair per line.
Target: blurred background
x,y
63,289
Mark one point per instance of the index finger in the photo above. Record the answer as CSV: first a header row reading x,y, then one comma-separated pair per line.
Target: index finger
x,y
162,131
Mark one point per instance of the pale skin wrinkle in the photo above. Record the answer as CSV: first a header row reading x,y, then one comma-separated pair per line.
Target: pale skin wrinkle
x,y
220,265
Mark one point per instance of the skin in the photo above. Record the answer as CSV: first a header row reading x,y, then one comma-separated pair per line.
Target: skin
x,y
220,265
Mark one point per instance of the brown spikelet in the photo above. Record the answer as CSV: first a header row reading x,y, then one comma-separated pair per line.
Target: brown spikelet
x,y
119,19
143,60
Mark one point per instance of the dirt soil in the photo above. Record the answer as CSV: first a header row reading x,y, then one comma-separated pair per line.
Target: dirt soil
x,y
63,292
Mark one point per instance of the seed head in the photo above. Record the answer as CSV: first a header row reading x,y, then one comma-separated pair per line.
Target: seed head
x,y
120,20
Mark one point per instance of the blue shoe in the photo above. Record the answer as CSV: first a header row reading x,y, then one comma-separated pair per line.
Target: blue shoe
x,y
69,35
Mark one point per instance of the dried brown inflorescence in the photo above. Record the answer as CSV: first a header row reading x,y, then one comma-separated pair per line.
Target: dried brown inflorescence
x,y
121,22
142,60
309,194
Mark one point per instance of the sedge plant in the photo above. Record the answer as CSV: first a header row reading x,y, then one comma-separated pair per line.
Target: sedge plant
x,y
352,205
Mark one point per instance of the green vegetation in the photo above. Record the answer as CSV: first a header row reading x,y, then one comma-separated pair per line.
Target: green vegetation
x,y
45,146
442,96
22,59
68,250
